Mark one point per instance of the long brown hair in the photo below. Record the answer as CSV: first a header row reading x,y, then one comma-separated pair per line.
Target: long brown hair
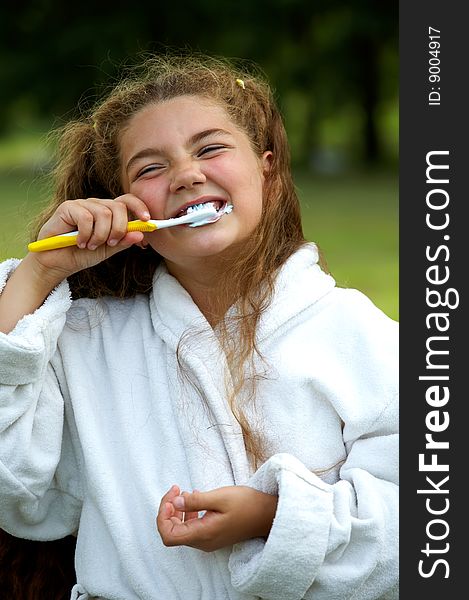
x,y
88,166
31,570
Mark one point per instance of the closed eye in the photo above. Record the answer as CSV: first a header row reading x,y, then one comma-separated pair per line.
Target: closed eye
x,y
211,148
148,169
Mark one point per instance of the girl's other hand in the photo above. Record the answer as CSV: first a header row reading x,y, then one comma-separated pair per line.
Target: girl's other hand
x,y
232,514
102,232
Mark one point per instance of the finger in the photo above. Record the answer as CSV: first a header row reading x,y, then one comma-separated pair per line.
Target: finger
x,y
173,491
188,532
102,224
134,237
167,511
85,226
130,238
179,514
101,220
190,515
118,225
167,500
172,529
136,206
201,533
122,208
93,219
163,521
198,501
74,214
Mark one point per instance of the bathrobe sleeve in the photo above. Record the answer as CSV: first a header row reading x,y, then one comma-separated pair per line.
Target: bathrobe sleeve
x,y
39,493
337,541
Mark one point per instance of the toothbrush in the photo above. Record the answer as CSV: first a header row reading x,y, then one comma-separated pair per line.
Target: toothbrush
x,y
195,218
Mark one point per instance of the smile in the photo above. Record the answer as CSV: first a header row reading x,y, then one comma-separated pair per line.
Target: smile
x,y
222,210
218,205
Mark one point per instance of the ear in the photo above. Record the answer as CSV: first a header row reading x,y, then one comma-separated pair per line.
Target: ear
x,y
266,160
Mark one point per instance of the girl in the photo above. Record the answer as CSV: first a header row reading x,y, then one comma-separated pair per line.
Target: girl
x,y
211,377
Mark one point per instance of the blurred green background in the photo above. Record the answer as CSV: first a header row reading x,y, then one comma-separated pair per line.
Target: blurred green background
x,y
333,65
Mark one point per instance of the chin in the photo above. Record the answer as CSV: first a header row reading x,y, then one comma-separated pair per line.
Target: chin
x,y
209,246
195,244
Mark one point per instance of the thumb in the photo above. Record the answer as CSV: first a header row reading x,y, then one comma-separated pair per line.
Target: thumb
x,y
197,501
130,238
105,251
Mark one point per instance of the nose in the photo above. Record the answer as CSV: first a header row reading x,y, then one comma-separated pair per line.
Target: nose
x,y
185,176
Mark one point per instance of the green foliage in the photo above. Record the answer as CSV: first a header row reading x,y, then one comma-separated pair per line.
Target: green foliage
x,y
332,59
354,220
21,197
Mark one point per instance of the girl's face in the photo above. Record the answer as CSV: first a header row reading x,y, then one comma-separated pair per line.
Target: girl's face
x,y
188,151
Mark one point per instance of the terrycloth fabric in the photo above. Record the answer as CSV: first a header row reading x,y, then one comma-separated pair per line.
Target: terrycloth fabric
x,y
96,424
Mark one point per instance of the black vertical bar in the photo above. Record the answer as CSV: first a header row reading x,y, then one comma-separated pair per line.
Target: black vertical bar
x,y
434,130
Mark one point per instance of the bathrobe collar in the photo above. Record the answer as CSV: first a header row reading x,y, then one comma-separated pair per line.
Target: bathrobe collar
x,y
299,284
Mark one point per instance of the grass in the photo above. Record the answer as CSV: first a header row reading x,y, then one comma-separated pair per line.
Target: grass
x,y
22,195
352,218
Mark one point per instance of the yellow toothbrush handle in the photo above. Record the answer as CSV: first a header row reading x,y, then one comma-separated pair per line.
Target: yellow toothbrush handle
x,y
51,243
141,226
63,241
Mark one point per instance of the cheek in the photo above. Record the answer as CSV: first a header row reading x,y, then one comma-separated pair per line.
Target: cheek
x,y
255,197
150,192
249,211
256,212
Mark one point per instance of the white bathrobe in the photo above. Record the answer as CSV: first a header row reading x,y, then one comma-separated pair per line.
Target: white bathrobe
x,y
97,423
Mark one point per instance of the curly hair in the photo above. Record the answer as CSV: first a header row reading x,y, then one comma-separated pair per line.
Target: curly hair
x,y
88,165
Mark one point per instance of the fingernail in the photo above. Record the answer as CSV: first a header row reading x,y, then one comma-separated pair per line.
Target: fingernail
x,y
146,215
179,503
92,246
112,242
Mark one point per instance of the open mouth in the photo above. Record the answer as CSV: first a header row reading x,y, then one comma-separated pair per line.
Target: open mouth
x,y
218,205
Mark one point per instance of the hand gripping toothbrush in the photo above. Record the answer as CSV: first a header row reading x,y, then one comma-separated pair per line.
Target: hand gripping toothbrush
x,y
200,214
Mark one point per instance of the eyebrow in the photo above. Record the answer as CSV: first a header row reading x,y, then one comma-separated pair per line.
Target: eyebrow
x,y
195,139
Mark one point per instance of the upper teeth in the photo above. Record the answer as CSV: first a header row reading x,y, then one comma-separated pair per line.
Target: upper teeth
x,y
226,208
194,207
